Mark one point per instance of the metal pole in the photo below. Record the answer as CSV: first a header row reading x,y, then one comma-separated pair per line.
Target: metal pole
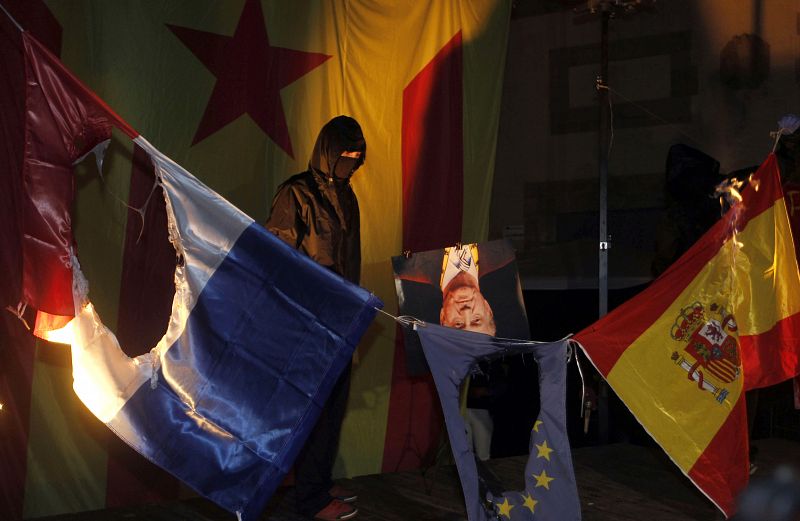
x,y
602,146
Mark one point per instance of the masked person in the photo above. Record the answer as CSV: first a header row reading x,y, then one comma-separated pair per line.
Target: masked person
x,y
316,212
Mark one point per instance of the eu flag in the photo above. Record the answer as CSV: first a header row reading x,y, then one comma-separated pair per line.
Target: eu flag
x,y
550,492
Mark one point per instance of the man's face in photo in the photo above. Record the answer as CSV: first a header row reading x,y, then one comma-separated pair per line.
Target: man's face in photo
x,y
464,307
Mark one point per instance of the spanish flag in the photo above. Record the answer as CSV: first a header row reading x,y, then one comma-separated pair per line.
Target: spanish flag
x,y
722,319
236,92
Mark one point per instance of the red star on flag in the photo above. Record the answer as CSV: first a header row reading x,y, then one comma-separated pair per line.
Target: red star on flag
x,y
250,75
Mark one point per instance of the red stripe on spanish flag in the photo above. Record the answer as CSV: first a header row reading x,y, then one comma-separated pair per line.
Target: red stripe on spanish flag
x,y
774,353
726,312
718,472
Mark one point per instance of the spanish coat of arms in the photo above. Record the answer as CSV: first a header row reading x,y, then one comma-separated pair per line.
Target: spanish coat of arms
x,y
711,355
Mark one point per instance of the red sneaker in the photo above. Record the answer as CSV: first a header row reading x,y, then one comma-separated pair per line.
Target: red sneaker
x,y
336,510
342,494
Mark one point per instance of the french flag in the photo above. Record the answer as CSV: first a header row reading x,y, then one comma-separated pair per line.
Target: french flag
x,y
257,336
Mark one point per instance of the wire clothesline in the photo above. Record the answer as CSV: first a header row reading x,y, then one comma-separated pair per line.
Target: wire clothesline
x,y
410,321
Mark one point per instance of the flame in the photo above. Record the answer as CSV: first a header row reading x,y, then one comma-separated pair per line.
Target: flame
x,y
63,335
53,328
728,191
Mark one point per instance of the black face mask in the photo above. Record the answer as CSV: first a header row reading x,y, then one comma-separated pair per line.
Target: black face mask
x,y
344,167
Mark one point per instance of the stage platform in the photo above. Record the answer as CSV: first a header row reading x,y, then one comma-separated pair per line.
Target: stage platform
x,y
618,482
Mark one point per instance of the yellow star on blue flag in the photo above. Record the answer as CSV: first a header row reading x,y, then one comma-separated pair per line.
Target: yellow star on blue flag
x,y
543,480
529,502
504,508
543,451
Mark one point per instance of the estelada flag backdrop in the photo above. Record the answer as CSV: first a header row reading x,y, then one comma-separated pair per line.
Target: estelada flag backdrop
x,y
236,92
723,319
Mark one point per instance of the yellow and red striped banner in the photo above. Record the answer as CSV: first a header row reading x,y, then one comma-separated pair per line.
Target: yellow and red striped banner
x,y
236,92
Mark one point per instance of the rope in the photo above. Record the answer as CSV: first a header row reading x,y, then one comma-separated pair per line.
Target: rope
x,y
404,320
583,380
611,118
19,312
778,135
409,321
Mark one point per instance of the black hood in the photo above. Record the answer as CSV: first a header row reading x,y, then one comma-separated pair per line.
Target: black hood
x,y
340,134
